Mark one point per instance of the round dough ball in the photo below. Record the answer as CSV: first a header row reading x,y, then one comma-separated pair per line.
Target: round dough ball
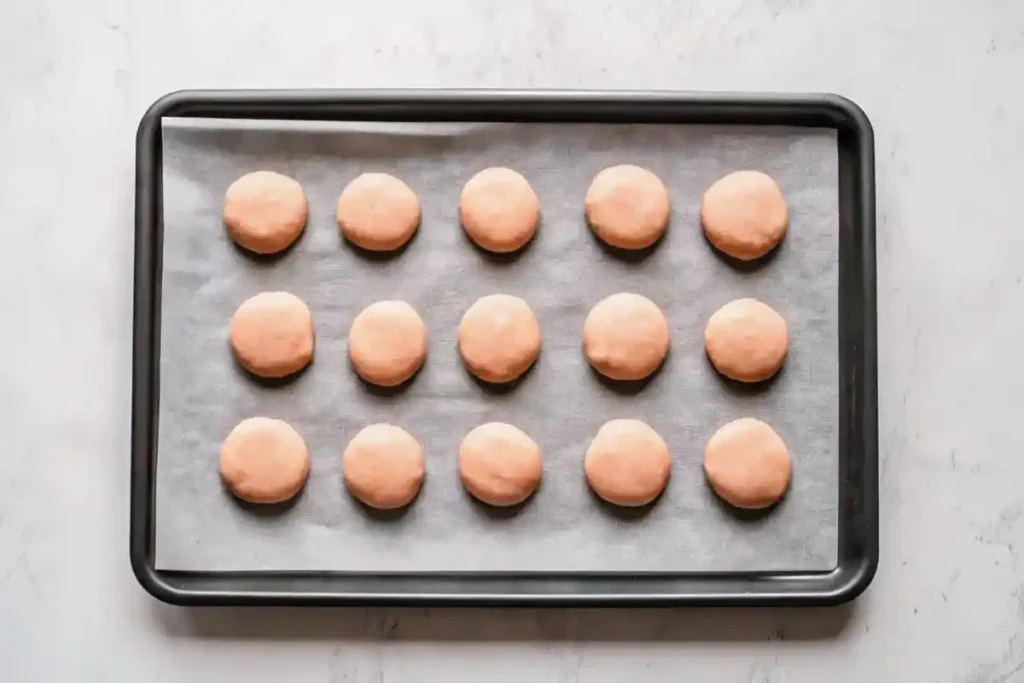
x,y
387,343
499,338
746,340
499,210
272,334
264,460
747,464
627,463
628,207
265,212
383,467
500,465
378,212
626,337
744,214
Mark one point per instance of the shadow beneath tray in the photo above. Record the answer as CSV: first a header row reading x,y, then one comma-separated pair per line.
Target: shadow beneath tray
x,y
463,625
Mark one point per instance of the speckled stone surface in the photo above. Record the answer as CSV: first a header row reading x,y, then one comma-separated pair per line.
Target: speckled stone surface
x,y
941,82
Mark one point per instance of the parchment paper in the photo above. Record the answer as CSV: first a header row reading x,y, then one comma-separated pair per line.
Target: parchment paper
x,y
561,403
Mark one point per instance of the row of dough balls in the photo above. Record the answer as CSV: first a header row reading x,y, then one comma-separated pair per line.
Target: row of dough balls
x,y
264,460
743,214
625,337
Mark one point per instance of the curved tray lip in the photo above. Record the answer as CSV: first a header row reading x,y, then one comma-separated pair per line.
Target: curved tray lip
x,y
858,544
425,104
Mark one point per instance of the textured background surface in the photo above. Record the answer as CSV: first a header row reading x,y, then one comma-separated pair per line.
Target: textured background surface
x,y
937,77
560,403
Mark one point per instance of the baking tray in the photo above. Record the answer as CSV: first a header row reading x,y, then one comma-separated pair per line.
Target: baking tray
x,y
857,437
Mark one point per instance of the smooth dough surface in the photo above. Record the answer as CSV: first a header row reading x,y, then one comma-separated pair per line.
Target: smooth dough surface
x,y
744,214
747,464
628,206
265,212
272,334
383,466
499,210
500,464
387,343
378,212
626,337
628,463
746,340
499,338
264,460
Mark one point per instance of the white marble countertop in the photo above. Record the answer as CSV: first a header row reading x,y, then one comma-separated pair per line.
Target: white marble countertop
x,y
940,80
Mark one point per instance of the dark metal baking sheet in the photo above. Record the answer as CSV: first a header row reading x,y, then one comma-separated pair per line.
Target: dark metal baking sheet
x,y
856,290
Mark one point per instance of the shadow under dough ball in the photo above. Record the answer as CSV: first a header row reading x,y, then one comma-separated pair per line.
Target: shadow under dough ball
x,y
499,210
628,207
264,460
383,467
500,464
272,334
378,212
499,338
628,463
746,340
744,214
748,464
387,343
626,337
264,212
